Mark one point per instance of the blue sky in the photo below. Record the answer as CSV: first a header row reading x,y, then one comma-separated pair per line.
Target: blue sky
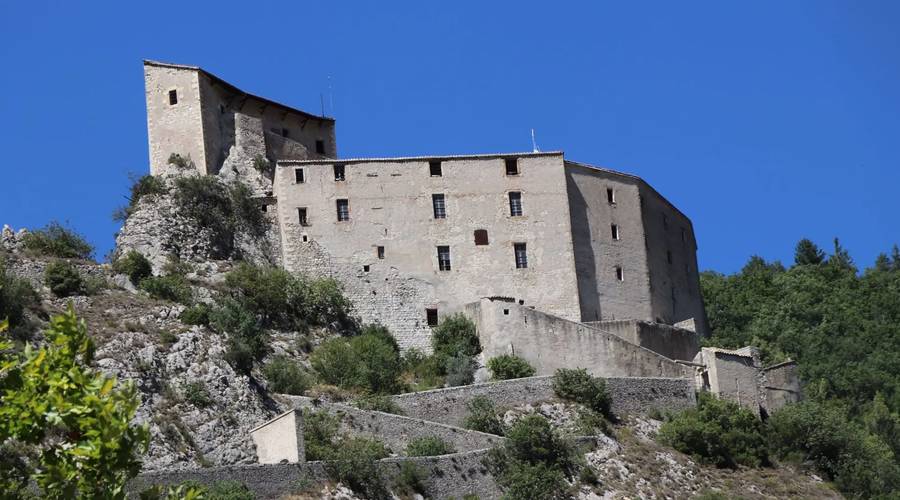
x,y
763,121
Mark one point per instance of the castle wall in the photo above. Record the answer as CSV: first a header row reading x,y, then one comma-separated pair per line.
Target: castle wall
x,y
175,128
671,342
782,385
391,206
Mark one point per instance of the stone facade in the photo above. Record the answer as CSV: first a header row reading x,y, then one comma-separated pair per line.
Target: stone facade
x,y
672,342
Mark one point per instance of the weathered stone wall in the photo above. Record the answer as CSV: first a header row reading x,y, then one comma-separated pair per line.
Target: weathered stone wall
x,y
782,385
733,375
176,128
671,342
549,343
629,396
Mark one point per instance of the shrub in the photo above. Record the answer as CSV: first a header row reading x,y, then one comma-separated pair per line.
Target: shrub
x,y
173,287
335,362
410,480
16,296
285,376
56,240
508,367
320,431
222,209
579,386
229,490
63,279
134,265
483,416
378,402
196,394
93,284
454,336
141,186
181,161
428,446
247,340
197,314
367,362
425,372
460,370
718,432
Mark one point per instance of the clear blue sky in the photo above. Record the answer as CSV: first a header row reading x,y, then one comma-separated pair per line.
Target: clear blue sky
x,y
763,121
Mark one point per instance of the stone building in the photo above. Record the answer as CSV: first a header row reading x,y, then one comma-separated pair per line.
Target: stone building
x,y
415,238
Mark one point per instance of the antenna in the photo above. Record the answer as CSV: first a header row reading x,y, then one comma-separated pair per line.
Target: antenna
x,y
330,97
534,143
322,99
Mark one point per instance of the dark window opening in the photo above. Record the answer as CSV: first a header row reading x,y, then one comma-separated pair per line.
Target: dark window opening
x,y
320,147
521,255
305,238
285,132
338,172
683,235
440,207
521,302
298,176
301,216
506,312
481,237
610,195
669,256
615,231
173,97
431,316
366,268
343,210
443,254
435,168
380,252
620,275
515,203
512,166
264,207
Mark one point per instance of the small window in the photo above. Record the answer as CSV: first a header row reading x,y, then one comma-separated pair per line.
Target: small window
x,y
615,231
343,210
298,176
338,172
305,238
521,255
264,207
620,274
481,237
285,132
669,256
610,196
512,166
431,316
173,97
443,254
366,268
301,216
506,312
515,203
320,147
380,252
665,221
435,168
440,208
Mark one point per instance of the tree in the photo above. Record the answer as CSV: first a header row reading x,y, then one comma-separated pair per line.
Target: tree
x,y
807,253
72,422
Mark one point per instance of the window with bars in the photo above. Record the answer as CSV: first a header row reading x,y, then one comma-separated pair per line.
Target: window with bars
x,y
343,210
301,216
443,254
440,207
338,172
173,97
515,203
521,255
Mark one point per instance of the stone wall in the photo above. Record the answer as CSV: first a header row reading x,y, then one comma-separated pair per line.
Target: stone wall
x,y
280,439
173,128
782,385
549,343
670,341
629,396
733,375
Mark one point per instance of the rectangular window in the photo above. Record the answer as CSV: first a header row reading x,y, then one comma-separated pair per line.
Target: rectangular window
x,y
285,132
301,216
343,210
512,166
669,256
481,237
515,203
521,255
431,316
443,253
683,235
620,274
380,252
298,176
173,97
320,147
440,208
615,231
435,168
264,207
338,172
610,196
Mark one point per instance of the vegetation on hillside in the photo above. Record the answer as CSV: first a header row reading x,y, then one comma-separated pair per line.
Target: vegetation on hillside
x,y
56,240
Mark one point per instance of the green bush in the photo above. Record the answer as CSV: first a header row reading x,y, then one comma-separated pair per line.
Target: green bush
x,y
459,369
63,279
173,287
366,362
717,432
247,340
378,402
455,336
16,296
197,314
224,209
507,366
56,240
196,394
410,481
428,446
483,416
134,265
141,186
229,490
285,376
579,386
424,372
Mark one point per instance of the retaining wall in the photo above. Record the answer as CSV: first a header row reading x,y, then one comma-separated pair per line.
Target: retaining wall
x,y
667,340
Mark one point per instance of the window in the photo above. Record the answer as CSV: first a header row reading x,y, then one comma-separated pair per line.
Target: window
x,y
615,231
620,274
443,253
305,238
264,207
301,216
610,196
298,176
669,256
173,97
512,166
506,312
343,210
481,237
521,255
320,147
435,168
285,132
440,208
431,316
366,268
515,203
338,172
380,252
